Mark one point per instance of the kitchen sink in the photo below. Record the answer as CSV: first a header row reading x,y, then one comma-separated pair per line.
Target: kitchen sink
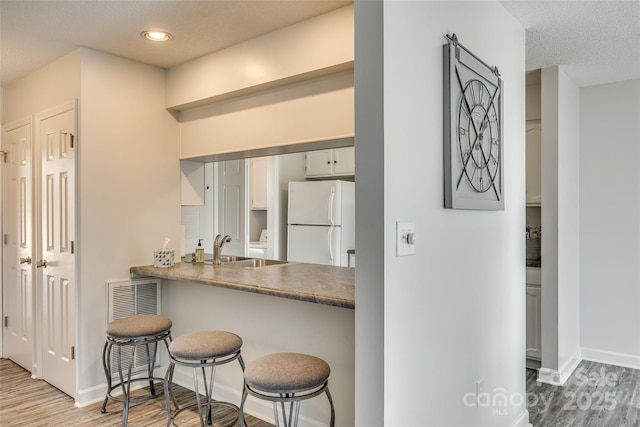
x,y
225,259
242,262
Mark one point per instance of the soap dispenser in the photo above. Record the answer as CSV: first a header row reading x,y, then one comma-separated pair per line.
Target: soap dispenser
x,y
199,252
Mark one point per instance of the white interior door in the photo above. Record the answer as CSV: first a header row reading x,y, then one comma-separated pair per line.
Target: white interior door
x,y
56,264
18,292
233,202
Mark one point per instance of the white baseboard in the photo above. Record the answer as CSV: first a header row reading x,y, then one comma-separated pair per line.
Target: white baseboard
x,y
255,407
95,394
611,358
91,395
559,377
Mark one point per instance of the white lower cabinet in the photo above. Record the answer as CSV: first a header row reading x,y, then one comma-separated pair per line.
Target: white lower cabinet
x,y
534,324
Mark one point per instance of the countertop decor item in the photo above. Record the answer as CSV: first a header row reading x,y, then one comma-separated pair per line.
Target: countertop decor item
x,y
164,257
473,142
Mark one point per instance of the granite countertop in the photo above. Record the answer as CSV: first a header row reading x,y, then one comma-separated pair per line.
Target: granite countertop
x,y
321,284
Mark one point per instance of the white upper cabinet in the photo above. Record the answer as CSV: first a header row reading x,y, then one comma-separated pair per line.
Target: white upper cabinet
x,y
258,183
330,163
318,163
192,179
344,161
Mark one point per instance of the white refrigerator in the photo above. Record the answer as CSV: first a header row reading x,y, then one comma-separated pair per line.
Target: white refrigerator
x,y
321,222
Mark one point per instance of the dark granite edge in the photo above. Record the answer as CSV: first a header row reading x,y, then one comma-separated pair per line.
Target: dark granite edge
x,y
165,273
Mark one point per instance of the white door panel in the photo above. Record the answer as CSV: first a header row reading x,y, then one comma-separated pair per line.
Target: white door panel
x,y
56,263
313,244
233,201
18,250
315,203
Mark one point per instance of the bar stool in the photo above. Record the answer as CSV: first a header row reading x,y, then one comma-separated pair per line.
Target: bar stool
x,y
132,332
201,350
286,378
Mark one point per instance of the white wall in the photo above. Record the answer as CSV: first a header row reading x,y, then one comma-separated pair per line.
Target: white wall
x,y
314,110
560,225
269,324
454,312
129,189
370,215
568,222
316,46
52,85
610,223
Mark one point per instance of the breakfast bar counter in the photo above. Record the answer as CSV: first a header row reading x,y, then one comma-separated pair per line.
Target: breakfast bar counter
x,y
283,307
321,284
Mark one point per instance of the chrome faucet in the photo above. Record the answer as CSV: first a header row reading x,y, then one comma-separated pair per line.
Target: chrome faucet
x,y
218,243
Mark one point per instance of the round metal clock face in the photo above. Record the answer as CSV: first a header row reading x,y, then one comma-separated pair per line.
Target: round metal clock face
x,y
479,136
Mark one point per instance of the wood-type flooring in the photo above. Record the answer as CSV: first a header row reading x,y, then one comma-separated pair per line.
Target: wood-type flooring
x,y
34,403
596,395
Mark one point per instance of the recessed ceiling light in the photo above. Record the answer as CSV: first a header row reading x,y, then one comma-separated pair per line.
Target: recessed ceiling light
x,y
156,36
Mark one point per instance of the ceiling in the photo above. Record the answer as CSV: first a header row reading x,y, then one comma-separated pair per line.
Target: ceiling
x,y
597,40
35,32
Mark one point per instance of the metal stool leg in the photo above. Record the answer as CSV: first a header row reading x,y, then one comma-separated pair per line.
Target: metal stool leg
x,y
333,412
241,421
106,364
168,382
126,385
151,361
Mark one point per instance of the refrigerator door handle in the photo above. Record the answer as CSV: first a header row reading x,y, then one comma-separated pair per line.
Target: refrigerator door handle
x,y
330,240
330,209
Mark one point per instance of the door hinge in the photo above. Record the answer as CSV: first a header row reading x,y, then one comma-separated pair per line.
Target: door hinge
x,y
70,136
6,239
73,247
4,156
6,321
73,353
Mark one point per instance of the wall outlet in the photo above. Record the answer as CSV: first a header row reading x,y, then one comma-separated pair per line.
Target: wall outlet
x,y
405,238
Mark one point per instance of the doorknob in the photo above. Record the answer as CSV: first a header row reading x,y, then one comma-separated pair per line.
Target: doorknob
x,y
42,263
26,260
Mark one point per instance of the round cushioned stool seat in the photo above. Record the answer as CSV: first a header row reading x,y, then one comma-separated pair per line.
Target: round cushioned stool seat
x,y
205,345
287,372
138,326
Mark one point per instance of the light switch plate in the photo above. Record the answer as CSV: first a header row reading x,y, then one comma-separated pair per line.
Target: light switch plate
x,y
403,245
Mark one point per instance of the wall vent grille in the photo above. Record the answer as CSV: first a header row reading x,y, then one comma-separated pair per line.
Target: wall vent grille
x,y
129,298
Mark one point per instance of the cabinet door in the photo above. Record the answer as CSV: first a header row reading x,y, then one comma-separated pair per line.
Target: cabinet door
x,y
318,163
344,161
534,333
192,179
258,183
